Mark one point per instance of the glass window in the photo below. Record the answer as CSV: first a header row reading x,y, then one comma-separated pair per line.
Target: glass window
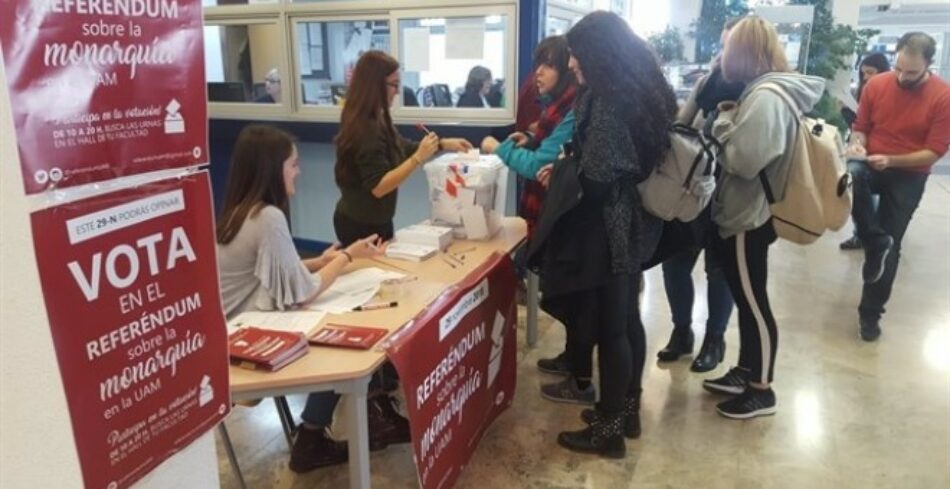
x,y
327,53
240,63
215,3
454,62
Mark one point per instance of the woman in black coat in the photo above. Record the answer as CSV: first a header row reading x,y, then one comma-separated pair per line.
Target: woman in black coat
x,y
593,232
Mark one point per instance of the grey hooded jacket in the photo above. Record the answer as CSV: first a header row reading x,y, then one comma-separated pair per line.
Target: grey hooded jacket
x,y
758,136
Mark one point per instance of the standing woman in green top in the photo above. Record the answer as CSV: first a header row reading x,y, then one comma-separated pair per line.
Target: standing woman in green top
x,y
372,158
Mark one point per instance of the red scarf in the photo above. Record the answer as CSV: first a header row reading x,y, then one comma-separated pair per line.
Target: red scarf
x,y
532,195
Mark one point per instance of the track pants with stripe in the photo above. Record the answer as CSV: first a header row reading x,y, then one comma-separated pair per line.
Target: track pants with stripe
x,y
745,259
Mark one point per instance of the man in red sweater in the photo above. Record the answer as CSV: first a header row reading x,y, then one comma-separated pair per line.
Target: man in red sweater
x,y
902,129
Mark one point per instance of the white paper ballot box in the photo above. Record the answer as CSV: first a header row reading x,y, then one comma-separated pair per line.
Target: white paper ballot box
x,y
468,193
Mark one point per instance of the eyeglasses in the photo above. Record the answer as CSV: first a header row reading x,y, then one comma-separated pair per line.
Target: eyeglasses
x,y
393,85
272,80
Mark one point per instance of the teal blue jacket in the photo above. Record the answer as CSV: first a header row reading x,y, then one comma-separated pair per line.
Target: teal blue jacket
x,y
527,162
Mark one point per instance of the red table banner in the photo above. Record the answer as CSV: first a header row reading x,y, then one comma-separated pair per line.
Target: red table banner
x,y
104,88
457,365
130,284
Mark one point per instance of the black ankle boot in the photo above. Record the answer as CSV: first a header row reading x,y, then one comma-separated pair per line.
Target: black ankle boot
x,y
631,417
681,343
711,353
603,437
314,448
386,425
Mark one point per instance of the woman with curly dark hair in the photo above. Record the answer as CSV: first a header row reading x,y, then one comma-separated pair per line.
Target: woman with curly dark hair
x,y
593,232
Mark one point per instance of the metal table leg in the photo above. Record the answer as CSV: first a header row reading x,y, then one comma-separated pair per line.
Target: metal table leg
x,y
358,431
532,326
229,448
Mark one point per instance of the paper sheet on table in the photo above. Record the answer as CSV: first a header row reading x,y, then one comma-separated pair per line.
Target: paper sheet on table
x,y
292,321
353,289
464,39
416,48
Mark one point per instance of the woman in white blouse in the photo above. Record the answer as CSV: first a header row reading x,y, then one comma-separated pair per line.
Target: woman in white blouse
x,y
260,269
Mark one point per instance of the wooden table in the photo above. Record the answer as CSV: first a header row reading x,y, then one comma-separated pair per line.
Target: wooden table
x,y
348,372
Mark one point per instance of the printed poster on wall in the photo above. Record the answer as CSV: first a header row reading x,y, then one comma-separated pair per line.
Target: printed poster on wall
x,y
456,363
104,88
130,284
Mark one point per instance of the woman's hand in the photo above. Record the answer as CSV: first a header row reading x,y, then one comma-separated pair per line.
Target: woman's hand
x,y
456,144
367,247
330,253
519,138
489,144
427,147
544,175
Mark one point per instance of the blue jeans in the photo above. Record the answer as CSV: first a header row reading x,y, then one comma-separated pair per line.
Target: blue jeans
x,y
319,408
900,192
678,282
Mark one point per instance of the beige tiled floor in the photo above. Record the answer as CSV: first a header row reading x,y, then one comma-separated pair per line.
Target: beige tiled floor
x,y
851,414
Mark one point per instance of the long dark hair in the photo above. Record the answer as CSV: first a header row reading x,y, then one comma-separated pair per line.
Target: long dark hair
x,y
256,178
476,79
366,110
553,51
877,61
622,68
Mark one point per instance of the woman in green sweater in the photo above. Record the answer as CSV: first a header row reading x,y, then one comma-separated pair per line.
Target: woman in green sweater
x,y
373,159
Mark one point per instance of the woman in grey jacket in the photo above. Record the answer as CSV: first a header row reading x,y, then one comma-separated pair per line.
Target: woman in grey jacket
x,y
757,137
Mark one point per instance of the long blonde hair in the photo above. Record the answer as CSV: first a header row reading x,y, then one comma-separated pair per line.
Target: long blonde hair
x,y
752,50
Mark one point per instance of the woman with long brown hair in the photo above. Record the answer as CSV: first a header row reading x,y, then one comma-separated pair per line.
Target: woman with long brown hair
x,y
373,159
260,269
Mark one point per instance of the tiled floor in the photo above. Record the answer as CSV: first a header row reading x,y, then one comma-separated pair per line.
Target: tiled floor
x,y
851,414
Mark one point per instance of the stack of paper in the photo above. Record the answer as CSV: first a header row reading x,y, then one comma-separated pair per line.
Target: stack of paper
x,y
351,290
426,235
410,252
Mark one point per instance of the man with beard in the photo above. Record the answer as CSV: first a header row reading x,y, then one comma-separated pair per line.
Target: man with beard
x,y
902,129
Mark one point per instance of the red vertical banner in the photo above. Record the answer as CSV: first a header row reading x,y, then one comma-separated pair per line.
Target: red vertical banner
x,y
457,365
104,88
130,284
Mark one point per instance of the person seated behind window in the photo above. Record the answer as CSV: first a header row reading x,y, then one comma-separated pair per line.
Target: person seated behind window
x,y
496,94
272,87
476,89
260,269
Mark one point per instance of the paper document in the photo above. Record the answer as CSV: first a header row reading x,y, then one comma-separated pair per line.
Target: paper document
x,y
416,49
464,39
843,95
351,290
291,321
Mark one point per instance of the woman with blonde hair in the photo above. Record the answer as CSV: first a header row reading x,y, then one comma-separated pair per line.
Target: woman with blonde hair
x,y
757,136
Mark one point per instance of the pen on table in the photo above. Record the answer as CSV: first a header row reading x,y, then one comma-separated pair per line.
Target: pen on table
x,y
378,305
466,250
447,262
455,259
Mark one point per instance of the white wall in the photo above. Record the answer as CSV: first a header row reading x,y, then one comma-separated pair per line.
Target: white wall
x,y
36,440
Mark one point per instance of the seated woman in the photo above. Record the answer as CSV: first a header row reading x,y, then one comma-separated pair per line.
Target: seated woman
x,y
260,269
476,88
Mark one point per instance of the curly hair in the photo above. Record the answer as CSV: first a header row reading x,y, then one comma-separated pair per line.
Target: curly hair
x,y
621,67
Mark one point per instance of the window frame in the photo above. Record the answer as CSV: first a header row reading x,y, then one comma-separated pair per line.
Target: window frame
x,y
286,14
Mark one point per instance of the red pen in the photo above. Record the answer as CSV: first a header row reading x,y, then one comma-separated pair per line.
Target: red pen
x,y
420,126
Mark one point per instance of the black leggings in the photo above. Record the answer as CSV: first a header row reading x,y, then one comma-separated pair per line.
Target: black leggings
x,y
348,230
610,318
745,259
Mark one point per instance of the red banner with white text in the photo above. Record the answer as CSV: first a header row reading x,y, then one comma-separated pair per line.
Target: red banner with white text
x,y
456,362
130,284
102,89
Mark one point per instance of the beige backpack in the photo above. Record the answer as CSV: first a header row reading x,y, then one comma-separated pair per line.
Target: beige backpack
x,y
818,192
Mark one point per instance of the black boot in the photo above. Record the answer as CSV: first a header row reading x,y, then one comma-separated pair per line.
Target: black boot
x,y
711,353
386,425
631,417
313,448
603,437
681,343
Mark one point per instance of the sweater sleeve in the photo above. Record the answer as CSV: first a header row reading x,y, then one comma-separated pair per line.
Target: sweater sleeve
x,y
757,136
938,137
862,122
278,266
527,162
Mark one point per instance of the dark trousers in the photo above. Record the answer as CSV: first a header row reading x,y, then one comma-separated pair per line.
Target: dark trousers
x,y
745,260
900,193
609,318
348,230
678,282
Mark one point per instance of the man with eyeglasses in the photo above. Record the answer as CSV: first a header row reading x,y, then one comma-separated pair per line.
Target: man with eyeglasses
x,y
902,129
272,87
